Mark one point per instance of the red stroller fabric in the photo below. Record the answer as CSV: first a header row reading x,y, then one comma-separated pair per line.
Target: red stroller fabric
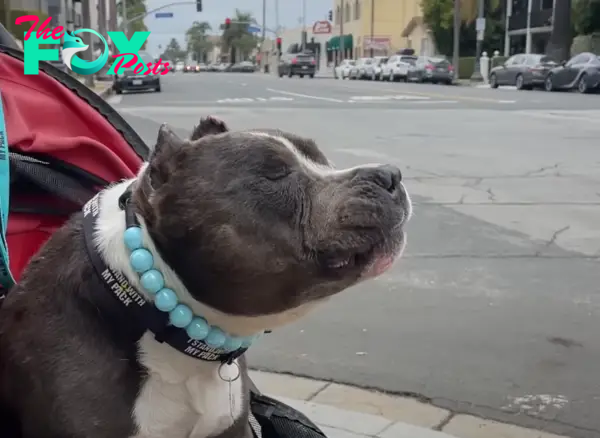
x,y
44,116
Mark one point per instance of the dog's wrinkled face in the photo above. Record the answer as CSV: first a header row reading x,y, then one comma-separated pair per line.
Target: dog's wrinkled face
x,y
257,223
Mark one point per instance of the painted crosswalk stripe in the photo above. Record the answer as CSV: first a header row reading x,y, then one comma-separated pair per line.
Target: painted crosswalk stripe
x,y
389,97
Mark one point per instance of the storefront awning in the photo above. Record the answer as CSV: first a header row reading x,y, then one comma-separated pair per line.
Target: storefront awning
x,y
335,43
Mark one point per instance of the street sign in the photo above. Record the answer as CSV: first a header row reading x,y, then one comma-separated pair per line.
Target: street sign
x,y
253,29
480,24
163,15
321,27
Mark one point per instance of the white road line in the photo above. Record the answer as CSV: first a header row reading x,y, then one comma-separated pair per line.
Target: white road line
x,y
388,97
307,96
435,101
507,101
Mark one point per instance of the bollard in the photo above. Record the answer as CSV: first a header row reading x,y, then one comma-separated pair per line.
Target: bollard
x,y
484,67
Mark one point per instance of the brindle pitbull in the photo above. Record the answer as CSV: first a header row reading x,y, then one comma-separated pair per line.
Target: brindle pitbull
x,y
250,229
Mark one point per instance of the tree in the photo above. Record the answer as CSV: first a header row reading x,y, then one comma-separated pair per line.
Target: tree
x,y
135,8
173,51
438,15
586,16
197,40
237,38
559,46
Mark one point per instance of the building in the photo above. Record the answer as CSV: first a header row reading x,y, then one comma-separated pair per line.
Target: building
x,y
378,27
291,41
518,39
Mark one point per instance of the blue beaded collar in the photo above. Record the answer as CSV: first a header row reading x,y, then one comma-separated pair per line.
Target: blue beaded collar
x,y
171,321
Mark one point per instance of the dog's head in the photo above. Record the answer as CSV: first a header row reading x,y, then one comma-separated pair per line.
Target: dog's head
x,y
258,223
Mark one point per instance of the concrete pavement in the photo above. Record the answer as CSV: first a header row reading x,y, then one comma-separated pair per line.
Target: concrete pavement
x,y
343,411
494,310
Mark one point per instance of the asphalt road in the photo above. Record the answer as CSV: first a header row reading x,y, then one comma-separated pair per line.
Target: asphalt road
x,y
495,309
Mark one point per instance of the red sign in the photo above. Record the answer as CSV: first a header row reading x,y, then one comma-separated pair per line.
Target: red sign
x,y
321,27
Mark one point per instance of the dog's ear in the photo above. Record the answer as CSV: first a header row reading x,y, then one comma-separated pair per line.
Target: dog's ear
x,y
209,126
163,159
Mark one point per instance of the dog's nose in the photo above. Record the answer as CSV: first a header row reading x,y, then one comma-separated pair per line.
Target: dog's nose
x,y
385,176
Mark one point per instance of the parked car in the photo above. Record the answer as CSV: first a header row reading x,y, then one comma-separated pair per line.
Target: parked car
x,y
179,66
581,72
243,67
342,71
129,81
373,70
525,71
202,67
431,69
396,67
359,70
297,64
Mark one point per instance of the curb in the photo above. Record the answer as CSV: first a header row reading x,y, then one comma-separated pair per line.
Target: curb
x,y
345,411
104,94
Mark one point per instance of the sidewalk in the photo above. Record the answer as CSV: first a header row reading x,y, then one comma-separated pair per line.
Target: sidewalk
x,y
347,412
102,88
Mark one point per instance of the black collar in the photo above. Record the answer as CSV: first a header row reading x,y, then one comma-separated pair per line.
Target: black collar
x,y
141,314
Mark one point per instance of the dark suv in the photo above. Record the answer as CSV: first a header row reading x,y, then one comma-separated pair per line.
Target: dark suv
x,y
301,64
129,81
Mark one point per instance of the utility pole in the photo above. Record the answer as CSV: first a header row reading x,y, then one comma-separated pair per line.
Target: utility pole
x,y
124,23
262,49
102,17
372,24
112,15
528,30
342,17
7,17
480,27
277,35
304,36
456,39
264,19
87,38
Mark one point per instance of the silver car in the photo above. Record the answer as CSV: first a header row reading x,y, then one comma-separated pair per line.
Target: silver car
x,y
431,69
373,70
359,71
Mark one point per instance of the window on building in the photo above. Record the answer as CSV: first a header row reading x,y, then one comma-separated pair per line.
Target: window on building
x,y
519,7
356,10
347,13
338,15
547,4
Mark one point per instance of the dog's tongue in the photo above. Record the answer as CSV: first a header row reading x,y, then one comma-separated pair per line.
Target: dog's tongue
x,y
379,266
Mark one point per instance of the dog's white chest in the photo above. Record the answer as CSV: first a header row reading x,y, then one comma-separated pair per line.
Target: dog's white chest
x,y
183,397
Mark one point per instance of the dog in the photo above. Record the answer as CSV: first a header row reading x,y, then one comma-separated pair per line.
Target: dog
x,y
251,229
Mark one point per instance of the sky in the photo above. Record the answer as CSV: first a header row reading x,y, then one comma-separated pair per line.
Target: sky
x,y
216,11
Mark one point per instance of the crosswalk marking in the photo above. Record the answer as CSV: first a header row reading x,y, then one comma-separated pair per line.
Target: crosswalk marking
x,y
257,99
389,97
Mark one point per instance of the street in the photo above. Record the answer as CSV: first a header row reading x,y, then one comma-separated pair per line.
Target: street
x,y
495,308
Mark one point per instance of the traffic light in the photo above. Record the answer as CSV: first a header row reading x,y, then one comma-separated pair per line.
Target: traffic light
x,y
279,45
227,23
198,5
330,15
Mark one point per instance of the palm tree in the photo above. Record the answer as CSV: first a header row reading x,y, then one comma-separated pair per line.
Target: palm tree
x,y
197,40
135,8
237,38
